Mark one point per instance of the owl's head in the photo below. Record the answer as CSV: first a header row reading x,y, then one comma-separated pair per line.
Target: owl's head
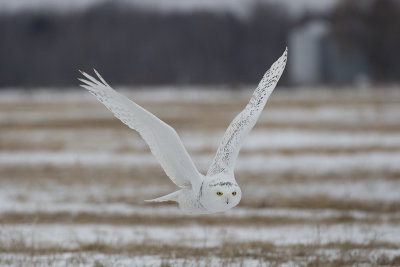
x,y
220,196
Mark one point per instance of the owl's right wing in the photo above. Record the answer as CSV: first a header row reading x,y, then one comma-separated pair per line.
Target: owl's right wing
x,y
237,131
162,139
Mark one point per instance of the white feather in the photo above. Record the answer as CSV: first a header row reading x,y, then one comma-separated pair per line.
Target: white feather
x,y
239,128
162,139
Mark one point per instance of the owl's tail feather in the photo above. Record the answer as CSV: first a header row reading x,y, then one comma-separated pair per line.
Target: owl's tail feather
x,y
170,197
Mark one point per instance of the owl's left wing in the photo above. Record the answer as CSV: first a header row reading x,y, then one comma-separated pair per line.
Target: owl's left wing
x,y
234,136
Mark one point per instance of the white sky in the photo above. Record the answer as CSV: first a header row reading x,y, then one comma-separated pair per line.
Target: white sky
x,y
296,7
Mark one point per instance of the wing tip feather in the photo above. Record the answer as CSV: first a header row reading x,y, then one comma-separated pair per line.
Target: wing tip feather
x,y
90,82
100,77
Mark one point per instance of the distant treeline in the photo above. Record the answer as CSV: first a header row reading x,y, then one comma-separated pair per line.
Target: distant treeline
x,y
131,46
134,46
373,27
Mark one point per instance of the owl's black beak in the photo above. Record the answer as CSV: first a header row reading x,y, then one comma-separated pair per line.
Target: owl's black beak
x,y
227,201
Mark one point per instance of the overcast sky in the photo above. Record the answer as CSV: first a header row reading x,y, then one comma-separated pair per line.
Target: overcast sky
x,y
237,6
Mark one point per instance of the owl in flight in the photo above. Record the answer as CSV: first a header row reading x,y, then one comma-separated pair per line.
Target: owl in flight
x,y
198,194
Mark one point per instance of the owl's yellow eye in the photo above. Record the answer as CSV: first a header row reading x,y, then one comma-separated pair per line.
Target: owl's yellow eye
x,y
219,193
234,193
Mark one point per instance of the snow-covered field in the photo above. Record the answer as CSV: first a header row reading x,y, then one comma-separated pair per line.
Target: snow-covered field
x,y
320,176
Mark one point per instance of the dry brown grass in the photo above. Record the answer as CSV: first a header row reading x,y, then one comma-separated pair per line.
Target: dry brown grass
x,y
221,111
321,202
30,146
115,176
181,124
171,221
229,252
27,145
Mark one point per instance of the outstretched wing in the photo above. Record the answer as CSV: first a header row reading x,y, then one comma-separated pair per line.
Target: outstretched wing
x,y
237,131
162,139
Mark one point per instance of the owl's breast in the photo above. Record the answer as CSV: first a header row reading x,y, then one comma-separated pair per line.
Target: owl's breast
x,y
189,202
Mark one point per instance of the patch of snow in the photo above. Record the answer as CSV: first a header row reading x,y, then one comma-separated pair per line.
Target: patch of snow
x,y
368,190
315,163
166,211
70,236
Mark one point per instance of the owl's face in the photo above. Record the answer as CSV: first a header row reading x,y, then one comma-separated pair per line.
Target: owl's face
x,y
220,196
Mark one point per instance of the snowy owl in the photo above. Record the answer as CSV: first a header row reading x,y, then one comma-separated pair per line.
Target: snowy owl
x,y
198,194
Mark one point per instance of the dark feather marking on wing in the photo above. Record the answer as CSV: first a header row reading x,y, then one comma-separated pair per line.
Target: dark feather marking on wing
x,y
222,184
